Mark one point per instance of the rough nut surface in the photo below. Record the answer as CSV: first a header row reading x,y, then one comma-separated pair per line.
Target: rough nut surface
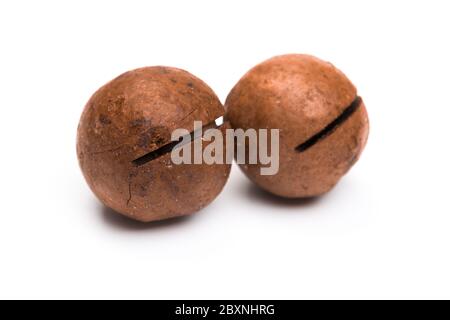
x,y
323,123
134,115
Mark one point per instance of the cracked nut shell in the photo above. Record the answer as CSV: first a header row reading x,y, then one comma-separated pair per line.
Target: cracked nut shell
x,y
323,123
134,115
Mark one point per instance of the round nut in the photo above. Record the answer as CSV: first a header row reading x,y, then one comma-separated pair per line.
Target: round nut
x,y
323,123
131,119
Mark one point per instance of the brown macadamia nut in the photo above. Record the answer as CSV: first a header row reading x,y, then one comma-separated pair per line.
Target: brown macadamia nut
x,y
323,123
124,144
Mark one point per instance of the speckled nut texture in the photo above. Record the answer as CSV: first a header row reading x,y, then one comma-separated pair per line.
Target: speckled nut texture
x,y
134,115
323,123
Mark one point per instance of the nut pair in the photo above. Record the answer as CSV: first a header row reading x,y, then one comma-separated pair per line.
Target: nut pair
x,y
124,137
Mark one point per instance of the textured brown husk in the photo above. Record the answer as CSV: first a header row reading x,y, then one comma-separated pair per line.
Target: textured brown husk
x,y
300,95
134,115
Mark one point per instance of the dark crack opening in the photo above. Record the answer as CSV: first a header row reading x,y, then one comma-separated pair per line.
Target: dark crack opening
x,y
167,148
331,127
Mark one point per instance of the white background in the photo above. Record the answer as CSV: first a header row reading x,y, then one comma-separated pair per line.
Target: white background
x,y
383,232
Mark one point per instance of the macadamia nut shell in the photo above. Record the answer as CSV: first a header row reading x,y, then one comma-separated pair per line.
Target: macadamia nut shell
x,y
300,95
133,115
